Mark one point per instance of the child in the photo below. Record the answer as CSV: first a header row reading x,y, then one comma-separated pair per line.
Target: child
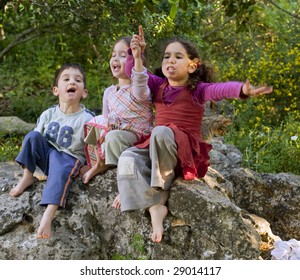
x,y
126,115
175,147
56,145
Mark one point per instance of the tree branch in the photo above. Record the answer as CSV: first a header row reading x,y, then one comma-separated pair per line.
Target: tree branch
x,y
283,10
20,38
219,27
15,43
24,36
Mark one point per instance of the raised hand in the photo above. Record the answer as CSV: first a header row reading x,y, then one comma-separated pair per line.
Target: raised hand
x,y
138,44
252,91
142,39
135,46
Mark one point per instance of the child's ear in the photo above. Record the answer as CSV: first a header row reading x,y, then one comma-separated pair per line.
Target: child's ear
x,y
84,93
194,64
55,90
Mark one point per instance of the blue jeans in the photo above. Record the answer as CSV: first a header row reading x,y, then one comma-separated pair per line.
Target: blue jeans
x,y
60,167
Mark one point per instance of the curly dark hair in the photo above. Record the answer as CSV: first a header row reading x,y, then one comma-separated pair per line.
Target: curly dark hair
x,y
204,72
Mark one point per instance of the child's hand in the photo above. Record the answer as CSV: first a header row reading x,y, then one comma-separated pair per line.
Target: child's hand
x,y
135,46
138,44
252,91
142,39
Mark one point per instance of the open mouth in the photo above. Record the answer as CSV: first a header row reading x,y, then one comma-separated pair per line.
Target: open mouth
x,y
71,90
170,68
116,67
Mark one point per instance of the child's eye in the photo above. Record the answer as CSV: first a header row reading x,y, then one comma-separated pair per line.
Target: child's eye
x,y
123,54
166,56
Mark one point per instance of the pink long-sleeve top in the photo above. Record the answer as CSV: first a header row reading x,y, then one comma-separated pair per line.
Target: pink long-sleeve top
x,y
203,92
182,110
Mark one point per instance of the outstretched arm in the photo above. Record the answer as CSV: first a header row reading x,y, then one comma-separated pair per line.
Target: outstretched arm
x,y
251,91
232,89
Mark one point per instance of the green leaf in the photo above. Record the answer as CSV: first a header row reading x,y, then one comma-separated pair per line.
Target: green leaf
x,y
173,11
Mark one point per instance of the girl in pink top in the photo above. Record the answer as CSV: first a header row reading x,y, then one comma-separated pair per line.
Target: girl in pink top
x,y
126,116
175,147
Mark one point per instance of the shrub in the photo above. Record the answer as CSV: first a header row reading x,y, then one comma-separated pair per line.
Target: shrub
x,y
10,146
270,149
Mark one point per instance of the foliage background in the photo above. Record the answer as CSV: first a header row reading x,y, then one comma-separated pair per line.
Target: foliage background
x,y
243,39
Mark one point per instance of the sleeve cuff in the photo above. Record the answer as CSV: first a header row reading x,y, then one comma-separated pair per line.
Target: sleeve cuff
x,y
144,72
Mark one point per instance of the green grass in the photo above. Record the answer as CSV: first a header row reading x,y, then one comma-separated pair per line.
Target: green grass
x,y
10,146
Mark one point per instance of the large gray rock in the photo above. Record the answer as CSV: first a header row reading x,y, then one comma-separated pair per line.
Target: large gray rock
x,y
206,220
202,224
12,124
276,197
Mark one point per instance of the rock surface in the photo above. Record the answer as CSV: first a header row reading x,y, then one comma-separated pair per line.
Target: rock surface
x,y
230,214
12,124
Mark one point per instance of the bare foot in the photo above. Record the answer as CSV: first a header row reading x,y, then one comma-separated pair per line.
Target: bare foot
x,y
44,230
157,212
117,202
96,169
26,181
